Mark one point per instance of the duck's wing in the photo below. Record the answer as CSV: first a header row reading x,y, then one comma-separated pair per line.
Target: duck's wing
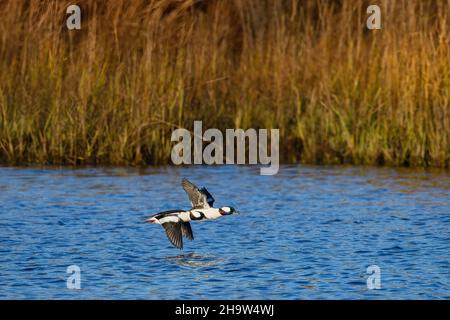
x,y
209,197
173,227
186,230
200,198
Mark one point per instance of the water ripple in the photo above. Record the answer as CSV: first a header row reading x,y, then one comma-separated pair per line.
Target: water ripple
x,y
309,232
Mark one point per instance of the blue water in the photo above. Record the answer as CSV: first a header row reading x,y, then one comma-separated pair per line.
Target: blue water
x,y
306,233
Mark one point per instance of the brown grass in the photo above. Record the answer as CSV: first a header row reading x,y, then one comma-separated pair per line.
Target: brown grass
x,y
112,92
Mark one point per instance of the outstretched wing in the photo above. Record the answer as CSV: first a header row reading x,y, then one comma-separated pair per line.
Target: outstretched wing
x,y
209,197
200,198
186,230
173,226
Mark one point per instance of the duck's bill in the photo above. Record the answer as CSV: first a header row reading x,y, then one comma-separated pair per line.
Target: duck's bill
x,y
150,220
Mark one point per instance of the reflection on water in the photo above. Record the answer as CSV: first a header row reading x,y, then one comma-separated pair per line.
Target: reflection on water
x,y
308,232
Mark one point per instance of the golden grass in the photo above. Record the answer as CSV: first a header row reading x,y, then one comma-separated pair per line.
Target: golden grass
x,y
112,92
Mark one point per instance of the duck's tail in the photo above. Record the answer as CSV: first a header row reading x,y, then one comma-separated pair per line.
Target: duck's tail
x,y
152,219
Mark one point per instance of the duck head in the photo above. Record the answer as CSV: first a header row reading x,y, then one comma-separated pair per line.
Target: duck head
x,y
226,211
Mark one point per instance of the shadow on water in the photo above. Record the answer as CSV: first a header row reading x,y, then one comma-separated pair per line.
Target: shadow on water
x,y
194,260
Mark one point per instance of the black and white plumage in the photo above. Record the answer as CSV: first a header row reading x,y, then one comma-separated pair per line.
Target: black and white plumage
x,y
200,198
176,223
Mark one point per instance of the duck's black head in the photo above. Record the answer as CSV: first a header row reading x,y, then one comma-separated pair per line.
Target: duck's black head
x,y
226,211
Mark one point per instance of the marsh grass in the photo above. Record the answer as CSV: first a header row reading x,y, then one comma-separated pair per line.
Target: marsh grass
x,y
112,92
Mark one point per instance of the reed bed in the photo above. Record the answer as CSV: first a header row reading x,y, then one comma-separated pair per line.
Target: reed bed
x,y
112,92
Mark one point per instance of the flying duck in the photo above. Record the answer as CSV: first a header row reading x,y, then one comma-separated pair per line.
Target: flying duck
x,y
176,222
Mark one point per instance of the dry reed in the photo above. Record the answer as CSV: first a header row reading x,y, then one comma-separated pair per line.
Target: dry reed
x,y
112,92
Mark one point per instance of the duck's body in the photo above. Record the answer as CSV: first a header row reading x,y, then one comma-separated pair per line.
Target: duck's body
x,y
187,216
177,222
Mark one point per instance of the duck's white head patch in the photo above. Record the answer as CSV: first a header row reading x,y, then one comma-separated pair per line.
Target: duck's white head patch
x,y
226,211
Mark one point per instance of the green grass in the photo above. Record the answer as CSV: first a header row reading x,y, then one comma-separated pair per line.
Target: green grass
x,y
112,92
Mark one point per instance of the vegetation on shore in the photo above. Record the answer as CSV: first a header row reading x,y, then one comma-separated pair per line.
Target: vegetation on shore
x,y
112,92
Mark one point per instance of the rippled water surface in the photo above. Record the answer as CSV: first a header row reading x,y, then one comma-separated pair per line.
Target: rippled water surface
x,y
306,233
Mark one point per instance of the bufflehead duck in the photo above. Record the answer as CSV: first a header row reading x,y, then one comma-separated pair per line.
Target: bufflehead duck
x,y
176,222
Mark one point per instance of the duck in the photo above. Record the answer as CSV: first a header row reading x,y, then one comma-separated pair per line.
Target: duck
x,y
176,223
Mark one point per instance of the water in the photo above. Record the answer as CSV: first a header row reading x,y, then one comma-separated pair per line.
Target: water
x,y
306,233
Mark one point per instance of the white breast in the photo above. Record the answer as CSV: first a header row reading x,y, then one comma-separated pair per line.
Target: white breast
x,y
211,213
